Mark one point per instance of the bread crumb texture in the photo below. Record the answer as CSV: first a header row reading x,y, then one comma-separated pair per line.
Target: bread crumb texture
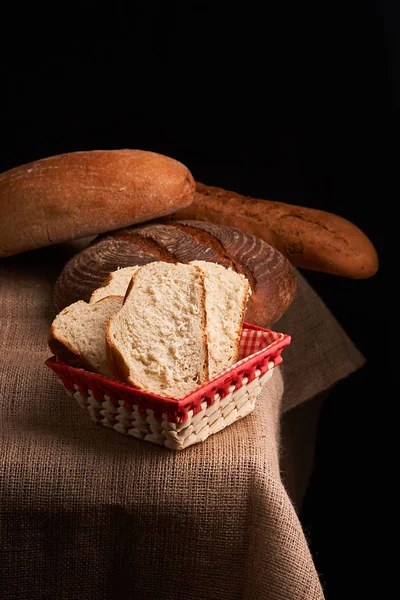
x,y
162,327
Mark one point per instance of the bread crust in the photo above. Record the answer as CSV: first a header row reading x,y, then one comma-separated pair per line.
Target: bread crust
x,y
204,323
105,283
130,286
65,351
115,359
310,238
240,324
79,194
271,276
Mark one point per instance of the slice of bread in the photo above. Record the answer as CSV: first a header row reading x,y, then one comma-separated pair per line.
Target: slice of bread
x,y
227,293
157,341
116,284
77,334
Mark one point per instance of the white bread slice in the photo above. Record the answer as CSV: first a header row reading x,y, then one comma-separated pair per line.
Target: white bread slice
x,y
227,293
116,284
78,334
157,341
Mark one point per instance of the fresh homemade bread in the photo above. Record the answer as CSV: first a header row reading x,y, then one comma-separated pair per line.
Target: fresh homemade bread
x,y
78,194
77,334
157,341
227,293
309,238
271,276
116,284
226,298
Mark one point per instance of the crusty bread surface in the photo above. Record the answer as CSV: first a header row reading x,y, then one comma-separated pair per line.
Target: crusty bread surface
x,y
79,194
310,238
271,276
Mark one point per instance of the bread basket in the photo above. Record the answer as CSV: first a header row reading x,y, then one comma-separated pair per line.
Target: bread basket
x,y
177,424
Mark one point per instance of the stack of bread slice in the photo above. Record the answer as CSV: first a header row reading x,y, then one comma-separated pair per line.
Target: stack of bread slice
x,y
162,327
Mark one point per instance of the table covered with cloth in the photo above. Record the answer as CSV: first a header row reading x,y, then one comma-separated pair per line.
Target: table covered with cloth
x,y
87,513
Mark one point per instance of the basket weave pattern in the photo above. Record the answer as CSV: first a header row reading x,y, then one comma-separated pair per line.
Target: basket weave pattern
x,y
177,424
238,403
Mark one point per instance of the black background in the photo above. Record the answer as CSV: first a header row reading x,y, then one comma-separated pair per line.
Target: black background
x,y
291,103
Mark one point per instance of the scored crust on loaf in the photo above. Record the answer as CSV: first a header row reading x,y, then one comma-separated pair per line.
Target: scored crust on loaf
x,y
116,284
157,341
227,293
270,274
77,334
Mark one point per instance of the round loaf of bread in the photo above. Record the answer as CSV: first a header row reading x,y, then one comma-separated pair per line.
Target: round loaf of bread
x,y
271,276
79,194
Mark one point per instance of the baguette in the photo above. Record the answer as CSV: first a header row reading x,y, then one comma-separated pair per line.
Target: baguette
x,y
79,194
309,238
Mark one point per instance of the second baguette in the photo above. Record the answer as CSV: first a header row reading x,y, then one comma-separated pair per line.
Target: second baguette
x,y
310,238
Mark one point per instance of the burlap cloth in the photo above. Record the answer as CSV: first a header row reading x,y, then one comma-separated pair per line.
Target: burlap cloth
x,y
89,514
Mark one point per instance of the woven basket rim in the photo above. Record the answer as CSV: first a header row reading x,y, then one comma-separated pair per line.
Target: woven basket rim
x,y
100,385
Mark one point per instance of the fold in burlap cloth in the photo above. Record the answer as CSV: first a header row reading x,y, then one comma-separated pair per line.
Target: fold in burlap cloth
x,y
91,514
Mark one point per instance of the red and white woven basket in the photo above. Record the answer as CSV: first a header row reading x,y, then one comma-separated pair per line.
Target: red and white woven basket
x,y
173,423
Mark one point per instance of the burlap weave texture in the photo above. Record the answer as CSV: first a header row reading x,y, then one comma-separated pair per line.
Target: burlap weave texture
x,y
91,514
